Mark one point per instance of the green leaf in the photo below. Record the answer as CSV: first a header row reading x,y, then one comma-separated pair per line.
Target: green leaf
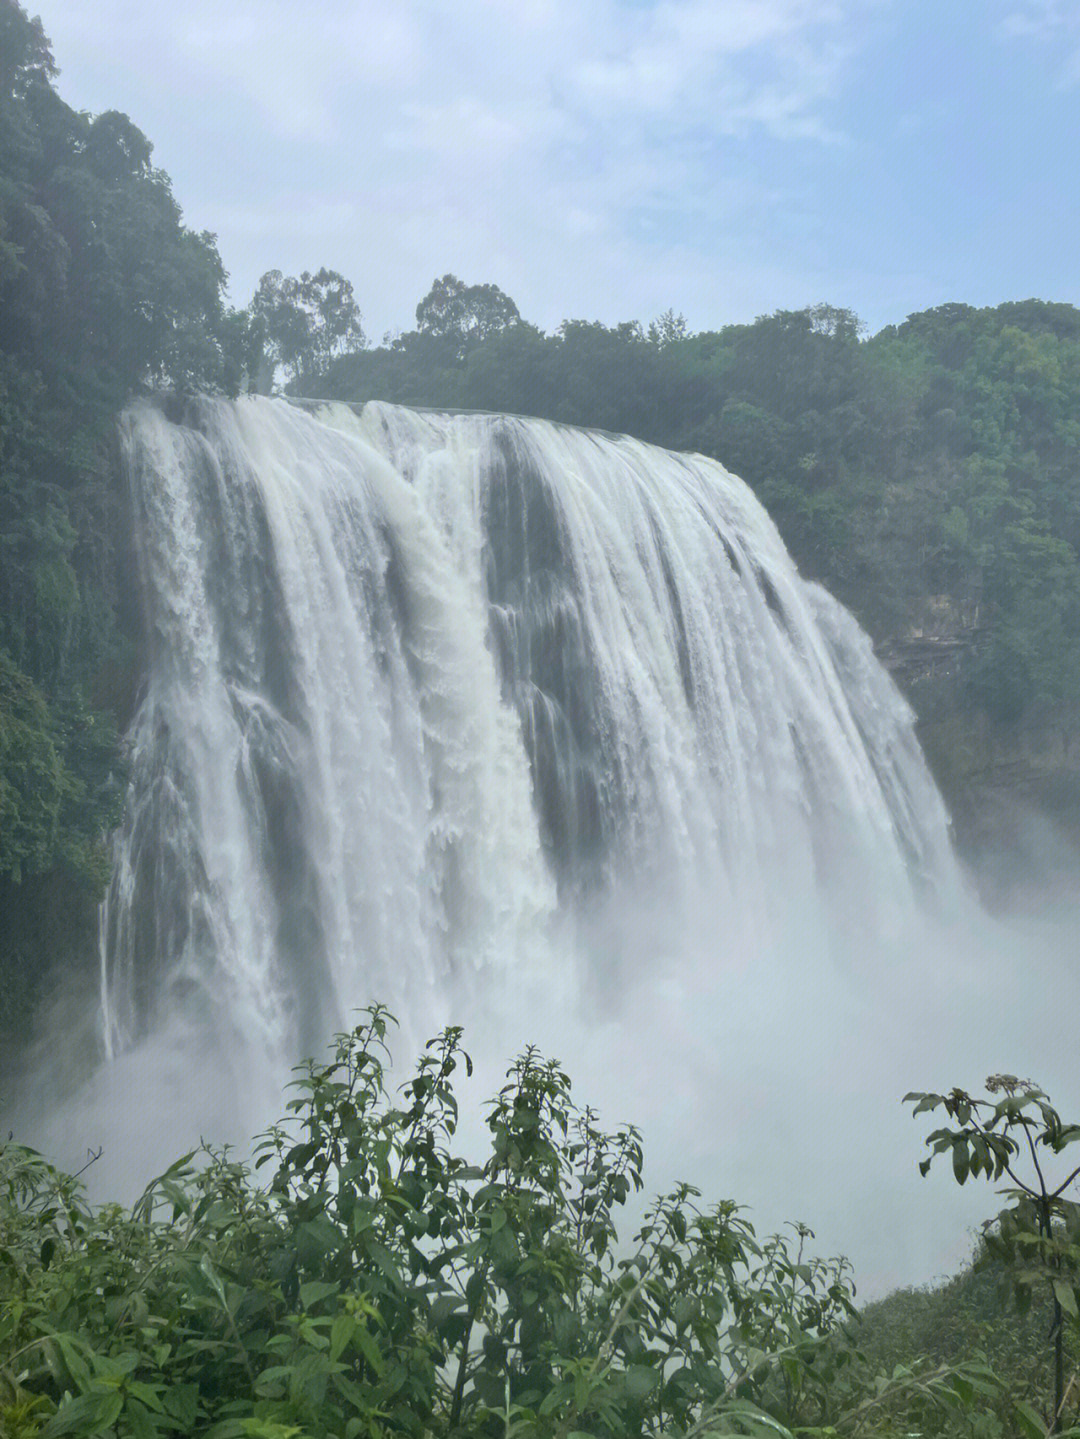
x,y
341,1332
146,1394
385,1261
111,1409
182,1402
1066,1297
365,1342
640,1380
140,1421
75,1363
76,1414
267,1429
960,1161
273,1380
316,1290
214,1280
1030,1420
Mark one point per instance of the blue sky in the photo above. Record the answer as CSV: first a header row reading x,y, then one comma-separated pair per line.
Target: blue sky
x,y
609,159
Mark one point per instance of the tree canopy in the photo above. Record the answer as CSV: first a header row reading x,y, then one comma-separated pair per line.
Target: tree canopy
x,y
464,315
305,323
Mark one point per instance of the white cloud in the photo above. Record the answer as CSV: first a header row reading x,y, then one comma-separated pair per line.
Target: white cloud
x,y
1039,18
481,135
1055,25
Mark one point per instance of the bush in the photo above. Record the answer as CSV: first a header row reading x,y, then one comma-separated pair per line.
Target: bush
x,y
378,1284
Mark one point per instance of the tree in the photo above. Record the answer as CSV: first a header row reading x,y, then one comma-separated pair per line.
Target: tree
x,y
25,53
1038,1234
667,329
464,315
307,322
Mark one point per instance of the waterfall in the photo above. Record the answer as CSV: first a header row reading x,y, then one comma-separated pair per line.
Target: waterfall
x,y
432,697
540,731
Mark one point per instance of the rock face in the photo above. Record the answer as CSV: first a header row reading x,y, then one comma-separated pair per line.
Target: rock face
x,y
1013,789
930,647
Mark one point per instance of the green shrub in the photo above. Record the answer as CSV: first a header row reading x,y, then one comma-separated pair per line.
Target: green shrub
x,y
377,1283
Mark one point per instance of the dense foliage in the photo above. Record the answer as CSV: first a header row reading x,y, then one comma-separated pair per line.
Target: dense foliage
x,y
102,291
379,1283
973,1313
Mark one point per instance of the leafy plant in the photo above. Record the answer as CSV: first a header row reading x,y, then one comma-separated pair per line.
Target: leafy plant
x,y
378,1283
1036,1237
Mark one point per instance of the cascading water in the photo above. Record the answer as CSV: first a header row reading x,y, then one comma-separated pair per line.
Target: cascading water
x,y
524,727
427,694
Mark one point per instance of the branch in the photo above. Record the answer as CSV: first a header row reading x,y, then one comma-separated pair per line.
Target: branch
x,y
1060,1190
1035,1161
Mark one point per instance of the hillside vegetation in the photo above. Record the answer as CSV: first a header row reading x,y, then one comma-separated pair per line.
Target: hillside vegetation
x,y
103,291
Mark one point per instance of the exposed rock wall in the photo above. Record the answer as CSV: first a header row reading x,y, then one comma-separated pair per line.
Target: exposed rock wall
x,y
1013,789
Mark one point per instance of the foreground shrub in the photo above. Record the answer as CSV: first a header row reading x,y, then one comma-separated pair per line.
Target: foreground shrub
x,y
362,1279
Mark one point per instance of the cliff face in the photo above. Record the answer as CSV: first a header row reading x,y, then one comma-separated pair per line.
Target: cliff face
x,y
1012,787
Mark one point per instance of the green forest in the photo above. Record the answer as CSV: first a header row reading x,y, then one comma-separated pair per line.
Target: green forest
x,y
366,1279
